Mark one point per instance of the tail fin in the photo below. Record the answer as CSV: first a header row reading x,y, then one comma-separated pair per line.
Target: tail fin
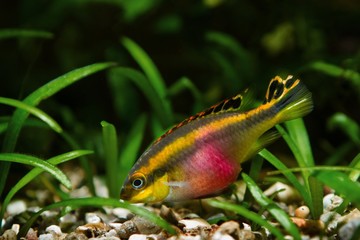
x,y
290,97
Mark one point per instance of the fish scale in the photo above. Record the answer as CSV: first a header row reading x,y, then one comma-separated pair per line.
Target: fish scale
x,y
202,155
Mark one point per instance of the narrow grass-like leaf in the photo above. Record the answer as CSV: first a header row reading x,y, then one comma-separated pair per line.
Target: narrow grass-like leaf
x,y
297,131
24,33
152,73
341,183
130,150
185,83
274,210
350,127
317,195
247,214
100,202
34,99
147,65
110,145
289,175
163,113
355,163
33,110
254,173
335,71
36,171
36,162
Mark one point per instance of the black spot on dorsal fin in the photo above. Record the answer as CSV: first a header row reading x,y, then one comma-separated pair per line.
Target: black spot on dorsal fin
x,y
229,104
279,87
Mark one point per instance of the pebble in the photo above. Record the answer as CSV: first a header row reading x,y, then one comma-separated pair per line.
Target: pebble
x,y
144,237
54,229
92,218
302,212
31,235
16,207
331,202
46,236
347,231
15,228
231,230
196,223
67,220
331,220
75,236
284,193
122,213
8,235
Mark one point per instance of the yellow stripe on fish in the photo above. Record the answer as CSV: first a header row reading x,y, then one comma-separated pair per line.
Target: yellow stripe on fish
x,y
201,156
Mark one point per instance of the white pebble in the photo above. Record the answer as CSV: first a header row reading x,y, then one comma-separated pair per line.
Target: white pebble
x,y
221,236
138,237
331,201
68,218
122,213
92,218
111,233
246,226
284,193
16,207
54,228
15,228
115,226
194,224
46,236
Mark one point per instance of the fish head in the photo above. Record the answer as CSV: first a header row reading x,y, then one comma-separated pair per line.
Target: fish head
x,y
145,188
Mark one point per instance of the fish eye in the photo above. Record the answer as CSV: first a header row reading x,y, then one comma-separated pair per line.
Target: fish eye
x,y
138,181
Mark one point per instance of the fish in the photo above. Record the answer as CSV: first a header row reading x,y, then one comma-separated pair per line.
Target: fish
x,y
202,156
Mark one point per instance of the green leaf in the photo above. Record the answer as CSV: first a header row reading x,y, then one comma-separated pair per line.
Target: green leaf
x,y
335,71
42,93
341,183
289,175
350,127
33,110
355,163
247,214
152,74
317,195
111,156
100,202
36,162
35,172
185,83
24,33
157,104
274,210
130,150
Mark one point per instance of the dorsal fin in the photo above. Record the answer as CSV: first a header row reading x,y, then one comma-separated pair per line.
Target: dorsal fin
x,y
230,104
279,87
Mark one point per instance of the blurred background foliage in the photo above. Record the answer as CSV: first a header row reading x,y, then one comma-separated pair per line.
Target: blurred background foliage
x,y
221,46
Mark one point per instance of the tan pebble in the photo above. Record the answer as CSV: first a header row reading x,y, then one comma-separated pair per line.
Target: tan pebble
x,y
231,230
127,229
145,226
302,212
93,229
76,236
355,213
309,226
8,235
